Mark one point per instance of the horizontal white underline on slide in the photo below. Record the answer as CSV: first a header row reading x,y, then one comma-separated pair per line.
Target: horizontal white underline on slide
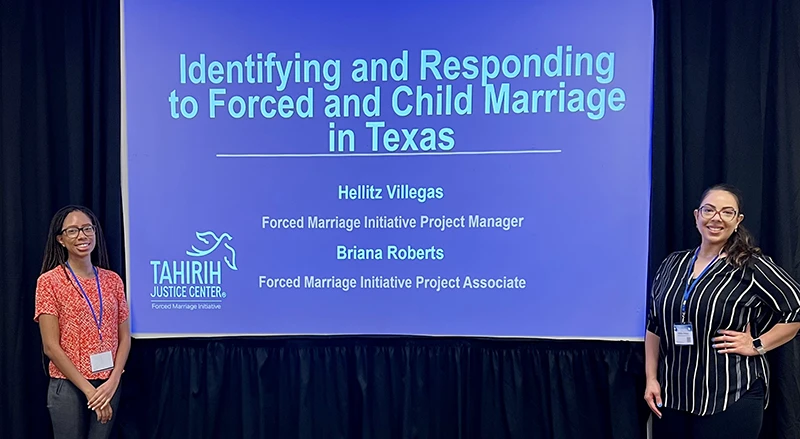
x,y
391,154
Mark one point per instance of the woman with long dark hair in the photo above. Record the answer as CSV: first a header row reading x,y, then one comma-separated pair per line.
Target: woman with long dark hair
x,y
83,318
713,313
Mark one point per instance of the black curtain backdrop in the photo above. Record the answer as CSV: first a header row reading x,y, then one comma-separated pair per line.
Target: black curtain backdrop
x,y
727,104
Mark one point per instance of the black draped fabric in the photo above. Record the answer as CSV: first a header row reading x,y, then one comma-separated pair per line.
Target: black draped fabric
x,y
726,99
727,108
383,388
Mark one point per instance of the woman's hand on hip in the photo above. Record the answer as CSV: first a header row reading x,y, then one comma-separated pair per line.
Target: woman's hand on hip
x,y
732,342
652,394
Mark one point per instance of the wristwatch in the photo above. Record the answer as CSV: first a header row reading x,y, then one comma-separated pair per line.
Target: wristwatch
x,y
759,346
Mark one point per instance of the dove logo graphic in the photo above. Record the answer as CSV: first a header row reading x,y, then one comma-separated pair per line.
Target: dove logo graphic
x,y
217,241
198,277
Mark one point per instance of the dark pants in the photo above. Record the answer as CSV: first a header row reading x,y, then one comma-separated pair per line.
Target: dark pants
x,y
71,417
742,420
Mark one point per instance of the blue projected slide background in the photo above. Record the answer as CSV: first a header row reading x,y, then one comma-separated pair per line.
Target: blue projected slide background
x,y
388,167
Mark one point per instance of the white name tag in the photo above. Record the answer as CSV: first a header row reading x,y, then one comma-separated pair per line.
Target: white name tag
x,y
684,335
102,361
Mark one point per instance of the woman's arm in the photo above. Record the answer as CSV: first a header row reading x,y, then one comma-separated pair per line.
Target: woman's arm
x,y
123,349
651,351
51,335
652,341
106,391
652,392
733,342
779,335
781,294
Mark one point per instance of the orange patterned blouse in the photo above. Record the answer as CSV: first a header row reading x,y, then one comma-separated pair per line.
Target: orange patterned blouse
x,y
58,295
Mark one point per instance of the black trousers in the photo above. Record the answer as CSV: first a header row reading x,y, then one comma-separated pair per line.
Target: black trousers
x,y
71,418
742,420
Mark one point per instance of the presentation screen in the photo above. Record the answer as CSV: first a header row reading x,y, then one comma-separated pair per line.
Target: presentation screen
x,y
446,168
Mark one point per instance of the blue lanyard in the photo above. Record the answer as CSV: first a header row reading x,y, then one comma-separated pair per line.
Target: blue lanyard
x,y
690,286
98,322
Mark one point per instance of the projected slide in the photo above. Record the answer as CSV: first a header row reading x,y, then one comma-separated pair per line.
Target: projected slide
x,y
432,167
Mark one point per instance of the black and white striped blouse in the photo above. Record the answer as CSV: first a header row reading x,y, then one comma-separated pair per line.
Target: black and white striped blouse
x,y
696,378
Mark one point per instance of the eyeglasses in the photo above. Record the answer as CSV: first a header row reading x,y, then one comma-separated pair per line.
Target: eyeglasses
x,y
72,232
726,214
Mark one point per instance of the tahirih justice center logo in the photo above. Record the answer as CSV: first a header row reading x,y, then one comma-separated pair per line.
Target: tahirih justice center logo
x,y
200,276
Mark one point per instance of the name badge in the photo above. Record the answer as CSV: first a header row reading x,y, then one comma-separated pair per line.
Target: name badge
x,y
684,336
102,361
